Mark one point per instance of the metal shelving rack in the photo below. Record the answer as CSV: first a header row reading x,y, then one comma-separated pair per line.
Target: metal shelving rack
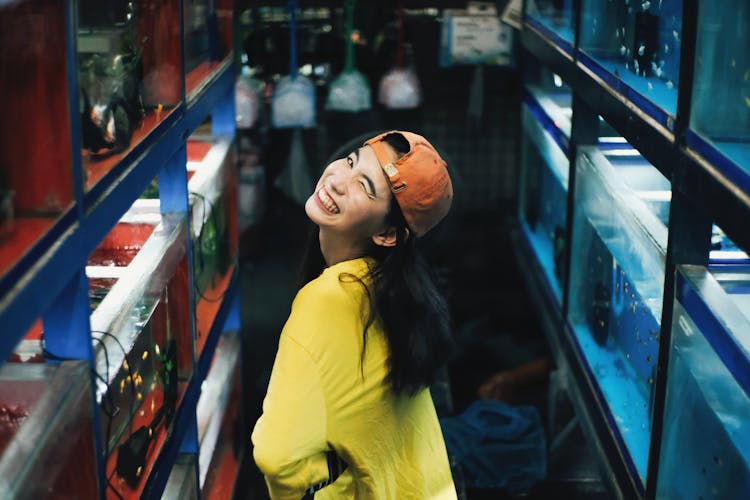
x,y
48,280
707,188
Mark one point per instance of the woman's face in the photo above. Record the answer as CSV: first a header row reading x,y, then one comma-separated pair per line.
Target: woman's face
x,y
352,197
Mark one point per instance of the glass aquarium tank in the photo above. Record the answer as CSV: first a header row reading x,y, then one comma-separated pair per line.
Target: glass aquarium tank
x,y
212,190
34,81
143,347
208,28
182,483
616,285
47,431
720,109
635,47
724,250
129,76
555,19
550,92
219,417
543,192
708,387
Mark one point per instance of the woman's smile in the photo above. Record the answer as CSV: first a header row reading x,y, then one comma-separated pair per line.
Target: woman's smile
x,y
326,202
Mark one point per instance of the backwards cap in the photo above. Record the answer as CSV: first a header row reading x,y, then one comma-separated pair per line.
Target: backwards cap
x,y
419,180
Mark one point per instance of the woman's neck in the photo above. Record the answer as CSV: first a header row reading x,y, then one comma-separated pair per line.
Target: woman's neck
x,y
337,250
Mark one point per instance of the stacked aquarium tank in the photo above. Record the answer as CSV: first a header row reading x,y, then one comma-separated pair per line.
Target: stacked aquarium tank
x,y
33,70
616,285
635,47
212,189
720,109
47,431
545,118
705,448
219,418
129,77
555,19
143,344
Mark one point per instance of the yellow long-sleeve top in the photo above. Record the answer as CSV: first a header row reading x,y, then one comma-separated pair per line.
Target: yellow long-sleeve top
x,y
324,396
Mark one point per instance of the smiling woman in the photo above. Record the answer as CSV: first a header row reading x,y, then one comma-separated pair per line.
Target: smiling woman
x,y
365,337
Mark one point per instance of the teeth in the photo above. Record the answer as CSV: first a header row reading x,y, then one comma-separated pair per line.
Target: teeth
x,y
328,201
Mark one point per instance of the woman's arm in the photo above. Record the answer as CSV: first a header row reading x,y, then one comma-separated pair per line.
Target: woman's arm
x,y
289,439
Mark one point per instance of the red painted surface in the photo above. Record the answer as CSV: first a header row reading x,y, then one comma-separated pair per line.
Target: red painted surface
x,y
224,14
206,309
121,245
197,150
35,146
158,28
178,312
202,73
26,231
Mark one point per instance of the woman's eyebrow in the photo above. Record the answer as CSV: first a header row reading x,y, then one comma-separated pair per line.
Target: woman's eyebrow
x,y
371,184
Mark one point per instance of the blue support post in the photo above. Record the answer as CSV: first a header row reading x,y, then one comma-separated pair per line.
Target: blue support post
x,y
233,321
173,191
67,335
222,115
66,323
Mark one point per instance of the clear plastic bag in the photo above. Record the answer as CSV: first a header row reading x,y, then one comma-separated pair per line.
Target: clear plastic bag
x,y
293,103
400,89
350,91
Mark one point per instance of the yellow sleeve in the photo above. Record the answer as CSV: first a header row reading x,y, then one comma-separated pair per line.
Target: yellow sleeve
x,y
289,439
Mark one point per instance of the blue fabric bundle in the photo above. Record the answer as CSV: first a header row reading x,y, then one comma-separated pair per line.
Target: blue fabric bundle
x,y
498,446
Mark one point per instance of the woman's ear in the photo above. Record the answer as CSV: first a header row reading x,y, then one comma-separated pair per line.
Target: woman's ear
x,y
387,238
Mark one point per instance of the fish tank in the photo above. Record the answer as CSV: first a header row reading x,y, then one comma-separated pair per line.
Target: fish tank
x,y
550,92
208,28
708,386
182,483
616,286
544,191
724,250
634,46
129,65
219,417
34,71
212,187
47,431
555,19
143,351
720,110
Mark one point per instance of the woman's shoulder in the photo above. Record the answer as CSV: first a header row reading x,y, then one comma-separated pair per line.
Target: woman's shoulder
x,y
345,282
328,306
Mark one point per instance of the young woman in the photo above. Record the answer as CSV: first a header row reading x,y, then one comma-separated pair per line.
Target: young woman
x,y
365,338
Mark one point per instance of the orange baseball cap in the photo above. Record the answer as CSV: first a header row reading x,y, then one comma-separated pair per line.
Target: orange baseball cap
x,y
419,180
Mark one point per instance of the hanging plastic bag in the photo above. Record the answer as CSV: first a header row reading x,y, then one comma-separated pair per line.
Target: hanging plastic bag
x,y
247,99
400,88
293,103
349,91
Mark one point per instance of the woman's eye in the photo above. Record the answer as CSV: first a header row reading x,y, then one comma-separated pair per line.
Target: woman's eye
x,y
350,161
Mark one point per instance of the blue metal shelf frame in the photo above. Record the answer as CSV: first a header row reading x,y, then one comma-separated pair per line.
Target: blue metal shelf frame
x,y
49,281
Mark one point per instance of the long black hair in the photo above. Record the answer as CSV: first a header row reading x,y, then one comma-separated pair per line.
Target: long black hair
x,y
402,293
